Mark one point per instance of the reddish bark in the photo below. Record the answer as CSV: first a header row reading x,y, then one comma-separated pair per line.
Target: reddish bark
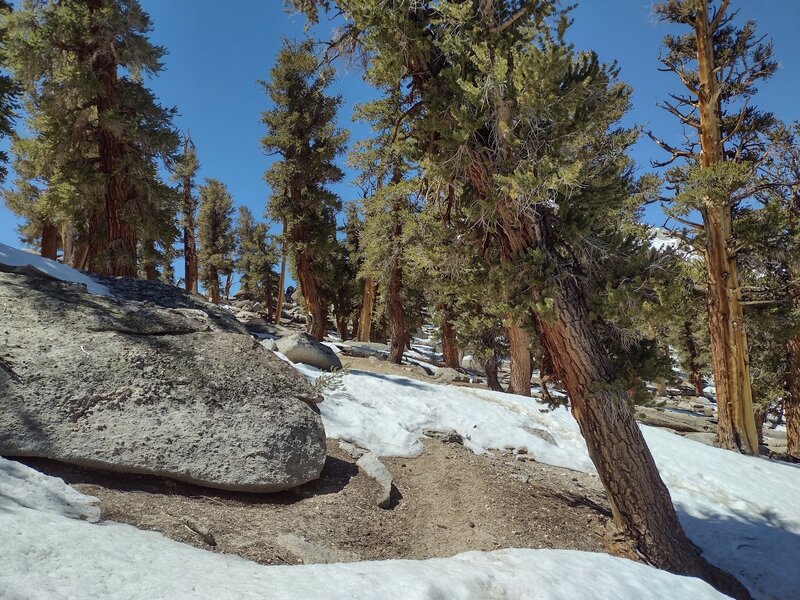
x,y
49,247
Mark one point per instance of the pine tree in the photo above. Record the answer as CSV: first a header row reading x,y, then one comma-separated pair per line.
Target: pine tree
x,y
501,107
256,258
301,130
99,130
184,173
719,64
8,92
215,234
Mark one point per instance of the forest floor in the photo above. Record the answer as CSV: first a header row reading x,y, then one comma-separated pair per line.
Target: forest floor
x,y
446,501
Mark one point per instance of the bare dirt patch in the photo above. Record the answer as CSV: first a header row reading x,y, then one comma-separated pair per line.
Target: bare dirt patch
x,y
447,500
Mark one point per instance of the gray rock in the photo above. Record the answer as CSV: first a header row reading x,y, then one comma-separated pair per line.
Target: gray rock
x,y
151,380
417,370
302,348
451,375
269,344
373,467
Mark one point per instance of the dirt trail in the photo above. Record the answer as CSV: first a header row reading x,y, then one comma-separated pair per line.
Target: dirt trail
x,y
447,500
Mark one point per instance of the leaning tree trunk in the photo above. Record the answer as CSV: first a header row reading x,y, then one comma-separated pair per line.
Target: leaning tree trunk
x,y
519,341
449,343
640,502
49,247
365,316
736,429
112,249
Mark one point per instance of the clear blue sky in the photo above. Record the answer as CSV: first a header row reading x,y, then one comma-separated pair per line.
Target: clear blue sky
x,y
218,50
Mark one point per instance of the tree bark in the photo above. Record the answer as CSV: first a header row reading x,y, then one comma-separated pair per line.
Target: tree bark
x,y
112,249
189,238
281,279
215,295
394,290
314,304
490,368
68,243
49,247
640,502
367,304
736,429
519,341
791,404
228,284
449,343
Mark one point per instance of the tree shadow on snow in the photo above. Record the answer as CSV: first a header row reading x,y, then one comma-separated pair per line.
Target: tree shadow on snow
x,y
396,379
761,552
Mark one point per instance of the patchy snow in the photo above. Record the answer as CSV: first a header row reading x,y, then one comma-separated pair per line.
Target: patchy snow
x,y
14,257
47,555
388,415
743,511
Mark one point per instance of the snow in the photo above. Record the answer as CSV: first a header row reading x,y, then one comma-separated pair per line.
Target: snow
x,y
742,511
14,257
388,415
48,554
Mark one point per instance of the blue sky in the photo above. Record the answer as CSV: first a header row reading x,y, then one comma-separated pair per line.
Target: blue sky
x,y
218,51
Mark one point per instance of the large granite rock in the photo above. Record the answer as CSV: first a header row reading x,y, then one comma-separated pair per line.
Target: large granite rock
x,y
303,348
149,380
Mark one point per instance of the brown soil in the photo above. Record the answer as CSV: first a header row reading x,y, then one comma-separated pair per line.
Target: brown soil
x,y
447,500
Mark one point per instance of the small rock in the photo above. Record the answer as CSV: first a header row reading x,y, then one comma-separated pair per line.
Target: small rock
x,y
373,467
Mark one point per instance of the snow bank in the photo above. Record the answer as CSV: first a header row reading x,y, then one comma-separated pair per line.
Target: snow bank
x,y
14,257
46,555
388,415
743,511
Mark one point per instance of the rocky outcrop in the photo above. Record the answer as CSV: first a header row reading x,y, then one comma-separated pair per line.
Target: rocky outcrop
x,y
302,348
150,380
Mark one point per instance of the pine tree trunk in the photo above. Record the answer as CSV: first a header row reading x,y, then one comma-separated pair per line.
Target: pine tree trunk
x,y
490,368
341,325
736,429
189,240
228,284
640,502
214,288
49,248
68,243
365,316
449,344
791,404
694,375
394,290
310,291
281,279
519,341
112,249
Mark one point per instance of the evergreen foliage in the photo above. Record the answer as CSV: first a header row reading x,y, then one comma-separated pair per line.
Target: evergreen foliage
x,y
216,236
98,134
302,132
